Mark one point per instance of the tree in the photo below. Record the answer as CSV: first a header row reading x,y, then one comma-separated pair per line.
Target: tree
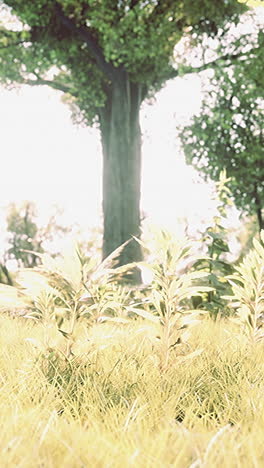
x,y
108,56
25,236
229,132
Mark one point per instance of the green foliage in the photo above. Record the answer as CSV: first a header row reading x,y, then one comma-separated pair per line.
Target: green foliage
x,y
248,290
23,234
67,289
172,286
229,131
84,40
74,289
216,242
25,238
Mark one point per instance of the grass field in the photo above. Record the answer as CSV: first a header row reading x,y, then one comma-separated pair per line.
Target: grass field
x,y
111,405
95,373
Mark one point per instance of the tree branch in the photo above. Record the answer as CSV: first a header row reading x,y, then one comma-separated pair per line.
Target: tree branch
x,y
51,83
186,70
85,34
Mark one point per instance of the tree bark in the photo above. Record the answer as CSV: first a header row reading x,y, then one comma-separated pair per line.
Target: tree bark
x,y
259,209
121,142
260,219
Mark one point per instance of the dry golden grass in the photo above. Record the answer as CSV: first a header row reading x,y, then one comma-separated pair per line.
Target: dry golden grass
x,y
111,405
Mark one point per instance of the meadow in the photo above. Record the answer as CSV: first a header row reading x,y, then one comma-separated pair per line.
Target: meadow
x,y
95,373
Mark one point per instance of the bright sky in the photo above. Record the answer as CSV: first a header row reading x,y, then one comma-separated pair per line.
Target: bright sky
x,y
47,159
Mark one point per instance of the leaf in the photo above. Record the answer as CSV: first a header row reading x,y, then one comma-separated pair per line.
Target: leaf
x,y
65,334
104,318
258,247
112,259
143,313
250,320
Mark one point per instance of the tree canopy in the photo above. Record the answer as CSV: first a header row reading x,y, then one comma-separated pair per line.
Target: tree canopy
x,y
88,42
229,131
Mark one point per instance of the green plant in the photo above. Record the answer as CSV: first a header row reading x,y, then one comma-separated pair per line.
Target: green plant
x,y
228,132
216,242
25,237
68,289
248,290
172,287
23,233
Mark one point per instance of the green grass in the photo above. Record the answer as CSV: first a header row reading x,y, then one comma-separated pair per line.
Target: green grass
x,y
112,405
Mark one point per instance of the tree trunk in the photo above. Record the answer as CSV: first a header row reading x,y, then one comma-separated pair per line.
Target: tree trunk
x,y
260,219
121,142
259,209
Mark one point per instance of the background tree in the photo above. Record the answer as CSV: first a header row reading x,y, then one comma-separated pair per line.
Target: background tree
x,y
22,235
229,132
25,236
108,56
